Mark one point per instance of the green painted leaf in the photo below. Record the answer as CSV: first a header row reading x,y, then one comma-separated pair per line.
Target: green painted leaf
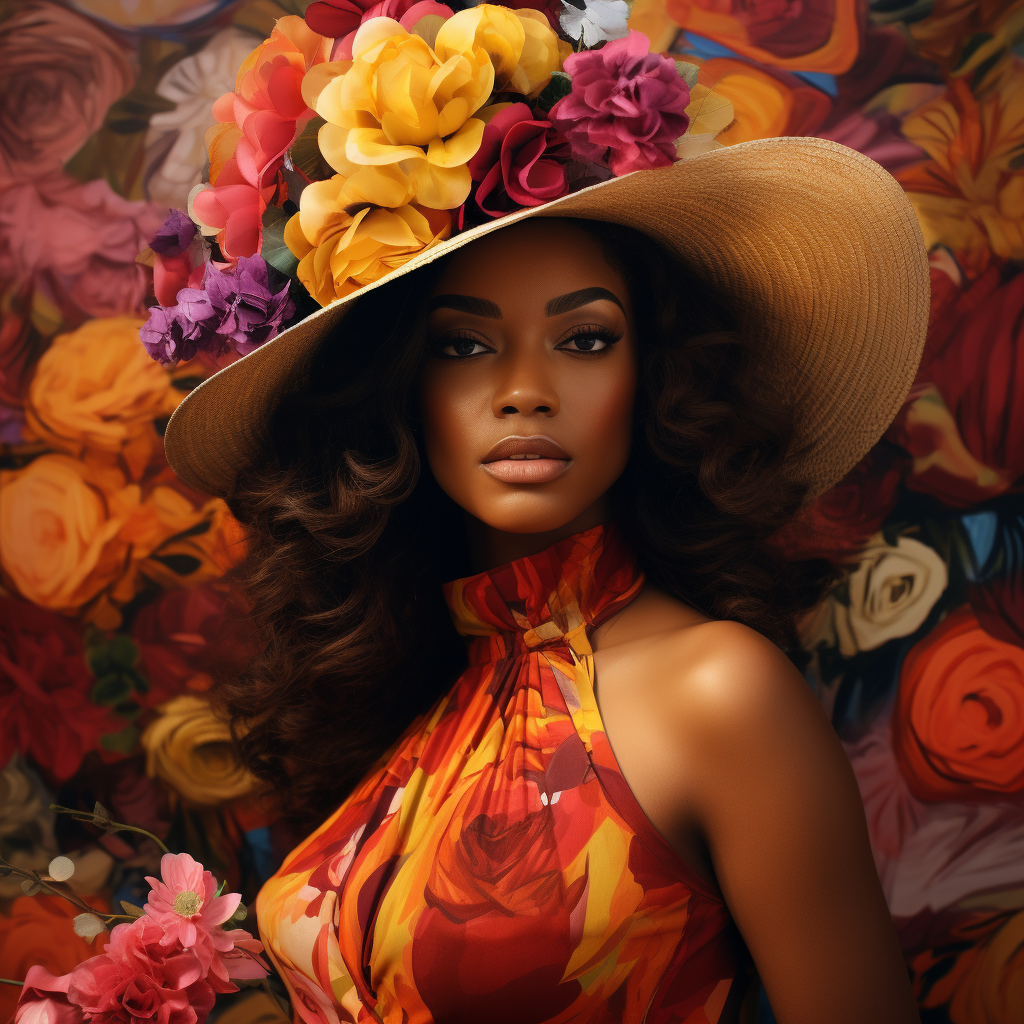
x,y
131,910
123,742
112,688
559,86
274,251
305,152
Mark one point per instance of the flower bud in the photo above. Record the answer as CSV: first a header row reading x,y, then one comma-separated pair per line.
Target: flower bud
x,y
61,868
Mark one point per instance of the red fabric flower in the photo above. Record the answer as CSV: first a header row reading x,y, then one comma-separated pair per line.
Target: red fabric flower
x,y
44,999
336,18
521,162
627,106
964,422
45,710
138,978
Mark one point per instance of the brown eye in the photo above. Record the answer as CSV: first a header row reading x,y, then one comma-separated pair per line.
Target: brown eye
x,y
589,339
461,347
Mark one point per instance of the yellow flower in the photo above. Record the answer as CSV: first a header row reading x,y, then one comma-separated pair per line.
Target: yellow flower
x,y
191,749
60,520
969,196
346,233
543,54
96,387
399,105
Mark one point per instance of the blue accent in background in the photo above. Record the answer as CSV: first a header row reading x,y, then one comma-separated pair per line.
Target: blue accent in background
x,y
705,49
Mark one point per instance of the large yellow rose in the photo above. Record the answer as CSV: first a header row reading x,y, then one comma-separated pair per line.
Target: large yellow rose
x,y
351,231
60,520
190,748
399,105
96,387
520,45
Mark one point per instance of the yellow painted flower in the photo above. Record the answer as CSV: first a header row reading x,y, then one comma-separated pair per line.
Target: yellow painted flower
x,y
191,748
543,54
96,387
970,196
351,231
400,105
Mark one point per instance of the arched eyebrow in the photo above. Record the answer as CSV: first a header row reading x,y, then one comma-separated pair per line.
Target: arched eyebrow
x,y
573,300
467,304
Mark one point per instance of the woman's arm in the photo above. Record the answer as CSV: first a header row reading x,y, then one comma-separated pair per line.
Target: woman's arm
x,y
775,798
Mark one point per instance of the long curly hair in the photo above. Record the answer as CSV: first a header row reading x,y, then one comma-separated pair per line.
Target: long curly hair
x,y
351,537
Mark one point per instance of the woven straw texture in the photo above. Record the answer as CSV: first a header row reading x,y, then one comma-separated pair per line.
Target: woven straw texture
x,y
817,244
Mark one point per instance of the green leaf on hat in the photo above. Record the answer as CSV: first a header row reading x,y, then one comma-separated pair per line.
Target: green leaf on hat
x,y
123,742
274,251
559,86
687,72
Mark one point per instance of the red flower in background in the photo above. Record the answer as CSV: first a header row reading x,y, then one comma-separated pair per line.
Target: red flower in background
x,y
958,725
838,524
45,710
964,422
191,632
337,18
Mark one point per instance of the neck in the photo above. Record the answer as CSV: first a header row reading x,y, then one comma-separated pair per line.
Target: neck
x,y
489,547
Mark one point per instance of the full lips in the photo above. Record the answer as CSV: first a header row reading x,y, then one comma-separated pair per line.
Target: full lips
x,y
527,471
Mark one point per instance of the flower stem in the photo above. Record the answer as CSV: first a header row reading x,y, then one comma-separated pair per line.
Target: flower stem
x,y
10,981
70,897
101,821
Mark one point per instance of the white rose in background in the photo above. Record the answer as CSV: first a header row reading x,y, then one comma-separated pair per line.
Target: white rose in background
x,y
175,143
889,595
598,21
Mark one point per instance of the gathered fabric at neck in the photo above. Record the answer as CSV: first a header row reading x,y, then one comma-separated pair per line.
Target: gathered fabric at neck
x,y
495,865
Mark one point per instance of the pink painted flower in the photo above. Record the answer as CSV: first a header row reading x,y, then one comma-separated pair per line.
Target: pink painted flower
x,y
44,1000
627,106
141,977
521,162
185,904
187,908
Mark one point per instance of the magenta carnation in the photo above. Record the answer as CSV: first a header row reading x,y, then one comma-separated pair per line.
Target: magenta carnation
x,y
627,106
521,162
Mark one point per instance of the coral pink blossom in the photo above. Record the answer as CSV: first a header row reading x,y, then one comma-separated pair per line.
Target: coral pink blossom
x,y
268,109
627,106
186,906
44,1000
141,977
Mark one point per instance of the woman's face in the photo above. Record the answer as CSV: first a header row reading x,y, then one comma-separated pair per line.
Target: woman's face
x,y
527,398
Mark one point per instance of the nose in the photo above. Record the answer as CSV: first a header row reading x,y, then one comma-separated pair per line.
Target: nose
x,y
524,386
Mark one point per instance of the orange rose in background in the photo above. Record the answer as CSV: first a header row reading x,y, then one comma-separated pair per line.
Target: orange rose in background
x,y
766,102
59,525
97,387
807,35
958,725
970,195
58,75
39,930
72,530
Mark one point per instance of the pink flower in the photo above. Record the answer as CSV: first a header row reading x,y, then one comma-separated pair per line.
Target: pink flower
x,y
627,106
76,243
189,912
141,977
521,162
44,1000
185,904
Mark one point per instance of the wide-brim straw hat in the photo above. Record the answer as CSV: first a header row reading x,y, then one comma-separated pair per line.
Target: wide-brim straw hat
x,y
816,244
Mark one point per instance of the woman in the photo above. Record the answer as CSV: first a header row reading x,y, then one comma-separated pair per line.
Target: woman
x,y
621,785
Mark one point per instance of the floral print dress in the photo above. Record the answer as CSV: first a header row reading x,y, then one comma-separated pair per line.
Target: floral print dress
x,y
495,865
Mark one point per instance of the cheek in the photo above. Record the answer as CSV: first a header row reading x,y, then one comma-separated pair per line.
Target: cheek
x,y
451,419
603,416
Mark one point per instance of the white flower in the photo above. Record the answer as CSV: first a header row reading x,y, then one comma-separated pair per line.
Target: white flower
x,y
890,594
600,20
61,868
175,143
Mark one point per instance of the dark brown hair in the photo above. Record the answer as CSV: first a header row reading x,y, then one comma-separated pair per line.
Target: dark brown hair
x,y
352,539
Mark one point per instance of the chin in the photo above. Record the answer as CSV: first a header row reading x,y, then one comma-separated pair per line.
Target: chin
x,y
529,513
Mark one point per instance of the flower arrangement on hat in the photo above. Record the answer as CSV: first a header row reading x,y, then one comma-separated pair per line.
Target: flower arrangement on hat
x,y
338,159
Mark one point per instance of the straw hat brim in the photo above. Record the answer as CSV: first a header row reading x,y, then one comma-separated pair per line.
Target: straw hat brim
x,y
816,243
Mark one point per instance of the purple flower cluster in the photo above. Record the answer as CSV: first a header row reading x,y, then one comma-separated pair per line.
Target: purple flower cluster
x,y
239,308
175,234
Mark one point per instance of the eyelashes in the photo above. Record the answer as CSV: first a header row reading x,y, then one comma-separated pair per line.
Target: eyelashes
x,y
461,344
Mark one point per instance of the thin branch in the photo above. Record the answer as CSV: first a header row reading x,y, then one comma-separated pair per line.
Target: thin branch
x,y
71,897
105,823
9,981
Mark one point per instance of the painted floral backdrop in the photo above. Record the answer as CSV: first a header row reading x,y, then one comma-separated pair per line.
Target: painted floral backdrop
x,y
115,605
